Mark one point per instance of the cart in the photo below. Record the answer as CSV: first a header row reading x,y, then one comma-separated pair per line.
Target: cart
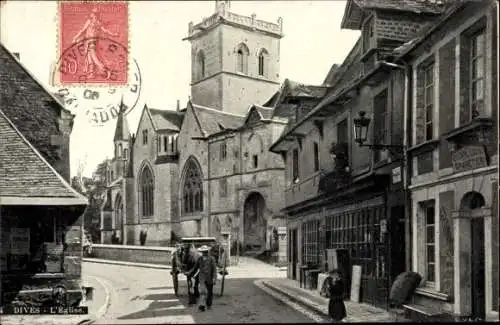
x,y
216,250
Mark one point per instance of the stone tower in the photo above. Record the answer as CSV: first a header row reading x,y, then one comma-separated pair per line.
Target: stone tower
x,y
122,143
235,60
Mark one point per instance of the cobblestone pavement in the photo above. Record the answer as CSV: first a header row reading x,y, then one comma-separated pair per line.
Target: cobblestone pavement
x,y
146,295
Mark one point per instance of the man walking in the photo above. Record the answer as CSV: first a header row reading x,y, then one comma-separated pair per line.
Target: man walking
x,y
207,277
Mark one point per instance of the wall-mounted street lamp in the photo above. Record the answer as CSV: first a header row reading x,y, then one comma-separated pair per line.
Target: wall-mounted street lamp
x,y
361,125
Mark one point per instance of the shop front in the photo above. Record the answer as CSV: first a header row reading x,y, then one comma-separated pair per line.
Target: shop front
x,y
363,220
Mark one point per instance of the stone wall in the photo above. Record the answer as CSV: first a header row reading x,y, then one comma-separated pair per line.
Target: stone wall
x,y
135,254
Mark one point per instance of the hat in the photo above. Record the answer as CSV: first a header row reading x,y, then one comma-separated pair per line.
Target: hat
x,y
204,248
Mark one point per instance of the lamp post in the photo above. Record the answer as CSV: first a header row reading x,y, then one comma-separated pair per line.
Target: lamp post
x,y
361,125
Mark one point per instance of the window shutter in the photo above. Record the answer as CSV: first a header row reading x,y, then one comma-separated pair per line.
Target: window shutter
x,y
446,202
420,111
464,80
446,103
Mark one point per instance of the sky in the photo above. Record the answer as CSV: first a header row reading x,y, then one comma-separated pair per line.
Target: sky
x,y
313,41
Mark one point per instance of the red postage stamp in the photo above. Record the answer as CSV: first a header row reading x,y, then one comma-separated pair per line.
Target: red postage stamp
x,y
93,43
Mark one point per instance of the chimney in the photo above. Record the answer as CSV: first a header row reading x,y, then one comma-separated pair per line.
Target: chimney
x,y
16,54
178,105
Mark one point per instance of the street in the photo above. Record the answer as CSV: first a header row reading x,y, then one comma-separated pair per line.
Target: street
x,y
144,295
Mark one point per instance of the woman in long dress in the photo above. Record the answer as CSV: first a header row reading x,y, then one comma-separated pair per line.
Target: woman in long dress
x,y
336,287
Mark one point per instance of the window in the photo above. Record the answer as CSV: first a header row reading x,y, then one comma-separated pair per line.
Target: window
x,y
222,151
147,192
255,160
125,153
379,122
144,137
192,199
316,156
367,35
477,67
165,143
295,166
120,148
262,62
342,135
429,100
223,187
242,58
310,242
430,240
200,58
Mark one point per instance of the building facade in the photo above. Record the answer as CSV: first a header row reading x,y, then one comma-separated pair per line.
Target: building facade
x,y
206,168
354,197
41,215
454,161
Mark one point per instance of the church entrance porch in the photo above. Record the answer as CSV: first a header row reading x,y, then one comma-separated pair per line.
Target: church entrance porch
x,y
254,223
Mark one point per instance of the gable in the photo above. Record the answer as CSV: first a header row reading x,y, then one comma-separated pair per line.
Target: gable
x,y
190,125
28,179
253,117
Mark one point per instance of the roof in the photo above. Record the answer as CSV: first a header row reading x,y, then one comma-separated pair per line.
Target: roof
x,y
27,178
122,131
166,119
295,89
331,75
213,121
353,13
20,94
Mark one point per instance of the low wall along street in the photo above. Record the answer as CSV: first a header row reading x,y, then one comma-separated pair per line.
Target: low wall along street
x,y
135,254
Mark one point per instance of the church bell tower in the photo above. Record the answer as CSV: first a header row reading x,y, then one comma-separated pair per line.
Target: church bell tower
x,y
235,60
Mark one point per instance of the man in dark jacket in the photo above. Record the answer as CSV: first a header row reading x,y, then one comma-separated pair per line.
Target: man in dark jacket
x,y
207,269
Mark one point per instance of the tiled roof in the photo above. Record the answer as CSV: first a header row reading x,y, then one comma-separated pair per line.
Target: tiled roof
x,y
331,75
294,89
416,6
166,119
26,175
214,121
122,131
20,95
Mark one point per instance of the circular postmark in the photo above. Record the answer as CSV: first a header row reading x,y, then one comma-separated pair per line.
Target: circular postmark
x,y
97,89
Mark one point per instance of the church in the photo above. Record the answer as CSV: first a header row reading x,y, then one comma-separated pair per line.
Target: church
x,y
207,168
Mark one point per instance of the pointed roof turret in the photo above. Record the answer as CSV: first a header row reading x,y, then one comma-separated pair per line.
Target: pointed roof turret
x,y
121,130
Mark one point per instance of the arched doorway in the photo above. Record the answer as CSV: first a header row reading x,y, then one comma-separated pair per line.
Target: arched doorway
x,y
254,222
119,219
471,206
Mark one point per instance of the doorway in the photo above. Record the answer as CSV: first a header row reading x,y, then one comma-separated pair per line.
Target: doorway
x,y
471,206
255,223
478,293
294,252
397,242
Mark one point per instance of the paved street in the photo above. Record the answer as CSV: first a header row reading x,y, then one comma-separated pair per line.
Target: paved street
x,y
146,295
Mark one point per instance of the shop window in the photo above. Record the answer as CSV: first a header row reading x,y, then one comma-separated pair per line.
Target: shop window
x,y
310,242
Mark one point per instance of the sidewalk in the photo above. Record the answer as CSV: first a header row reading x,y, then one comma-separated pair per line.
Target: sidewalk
x,y
97,308
356,312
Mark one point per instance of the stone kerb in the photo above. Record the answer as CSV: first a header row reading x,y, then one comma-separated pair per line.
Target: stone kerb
x,y
134,254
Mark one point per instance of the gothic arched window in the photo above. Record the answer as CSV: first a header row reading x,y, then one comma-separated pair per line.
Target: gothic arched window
x,y
192,196
200,58
242,58
147,192
263,54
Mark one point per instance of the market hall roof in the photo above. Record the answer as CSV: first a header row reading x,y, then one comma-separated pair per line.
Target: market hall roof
x,y
26,178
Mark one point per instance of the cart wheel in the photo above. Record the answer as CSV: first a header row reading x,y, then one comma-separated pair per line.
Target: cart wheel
x,y
176,284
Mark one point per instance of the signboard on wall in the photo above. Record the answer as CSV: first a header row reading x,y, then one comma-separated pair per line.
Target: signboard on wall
x,y
396,175
468,158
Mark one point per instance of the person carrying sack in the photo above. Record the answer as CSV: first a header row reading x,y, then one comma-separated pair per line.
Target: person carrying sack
x,y
208,276
335,293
